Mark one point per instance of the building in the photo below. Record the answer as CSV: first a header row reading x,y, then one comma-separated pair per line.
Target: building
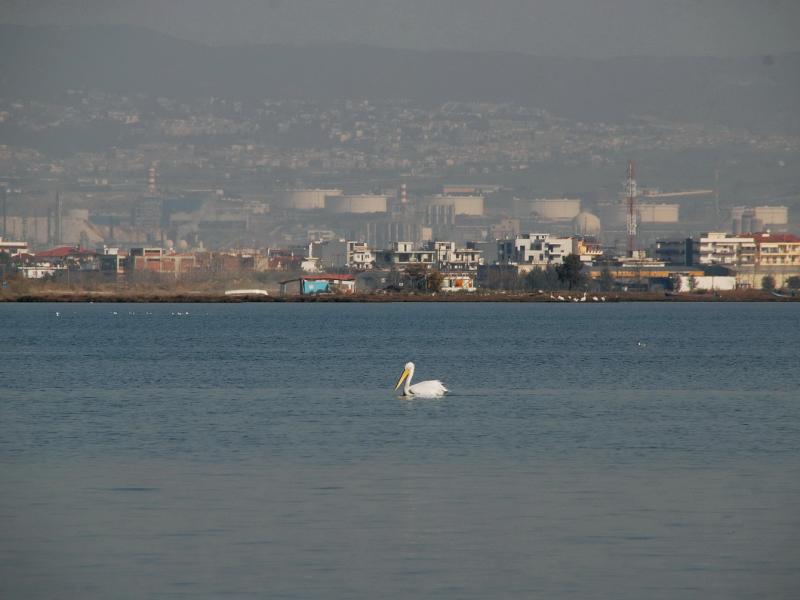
x,y
318,284
12,248
716,248
342,254
145,259
444,256
705,283
404,254
588,249
675,252
777,250
534,249
458,283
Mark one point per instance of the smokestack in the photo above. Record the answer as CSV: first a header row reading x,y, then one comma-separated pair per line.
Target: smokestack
x,y
152,175
58,216
5,211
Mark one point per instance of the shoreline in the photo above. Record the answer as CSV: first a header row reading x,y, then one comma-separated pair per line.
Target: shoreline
x,y
515,297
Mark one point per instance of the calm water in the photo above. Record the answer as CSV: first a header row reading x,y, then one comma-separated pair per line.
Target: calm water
x,y
258,451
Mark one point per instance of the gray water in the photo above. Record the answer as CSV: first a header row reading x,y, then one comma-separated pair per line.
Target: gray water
x,y
258,451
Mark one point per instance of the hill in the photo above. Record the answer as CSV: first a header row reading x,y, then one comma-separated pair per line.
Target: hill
x,y
760,93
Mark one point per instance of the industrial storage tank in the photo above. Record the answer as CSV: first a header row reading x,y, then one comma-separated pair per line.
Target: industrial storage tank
x,y
769,215
305,199
586,224
357,204
471,206
556,209
658,213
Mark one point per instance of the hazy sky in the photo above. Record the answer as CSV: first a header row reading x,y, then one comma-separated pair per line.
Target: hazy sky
x,y
586,28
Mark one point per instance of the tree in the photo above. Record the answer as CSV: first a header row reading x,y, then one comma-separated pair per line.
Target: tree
x,y
416,274
569,271
541,279
692,283
793,283
435,280
767,283
606,280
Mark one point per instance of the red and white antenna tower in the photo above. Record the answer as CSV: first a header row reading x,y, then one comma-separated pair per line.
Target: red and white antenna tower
x,y
403,193
630,192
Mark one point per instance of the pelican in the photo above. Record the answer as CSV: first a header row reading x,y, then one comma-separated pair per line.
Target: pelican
x,y
423,389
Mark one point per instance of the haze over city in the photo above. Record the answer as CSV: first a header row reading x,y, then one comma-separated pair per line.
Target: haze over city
x,y
390,299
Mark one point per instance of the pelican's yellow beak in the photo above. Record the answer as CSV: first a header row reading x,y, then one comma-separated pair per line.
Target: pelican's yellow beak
x,y
402,378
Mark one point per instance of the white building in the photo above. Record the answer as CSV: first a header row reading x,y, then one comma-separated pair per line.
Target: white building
x,y
717,248
342,253
448,257
444,256
536,249
706,283
13,248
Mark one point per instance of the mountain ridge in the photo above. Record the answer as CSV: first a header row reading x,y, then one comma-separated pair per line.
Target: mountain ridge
x,y
759,93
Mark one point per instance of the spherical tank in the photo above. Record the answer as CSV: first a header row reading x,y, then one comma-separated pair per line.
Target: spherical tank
x,y
366,203
586,224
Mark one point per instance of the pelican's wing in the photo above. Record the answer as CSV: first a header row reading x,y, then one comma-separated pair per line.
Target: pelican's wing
x,y
430,389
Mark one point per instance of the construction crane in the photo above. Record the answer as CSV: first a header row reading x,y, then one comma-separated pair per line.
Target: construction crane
x,y
655,194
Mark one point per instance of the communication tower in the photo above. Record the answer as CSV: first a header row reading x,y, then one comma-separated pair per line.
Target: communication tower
x,y
630,193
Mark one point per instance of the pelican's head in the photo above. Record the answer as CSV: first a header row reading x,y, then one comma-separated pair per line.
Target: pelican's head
x,y
408,371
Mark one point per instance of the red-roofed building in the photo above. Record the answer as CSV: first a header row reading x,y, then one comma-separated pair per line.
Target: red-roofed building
x,y
773,249
66,252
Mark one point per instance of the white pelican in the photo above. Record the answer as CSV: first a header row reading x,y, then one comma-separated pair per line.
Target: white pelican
x,y
423,389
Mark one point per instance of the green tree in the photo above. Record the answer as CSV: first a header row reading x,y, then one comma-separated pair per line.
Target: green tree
x,y
768,283
606,280
692,283
569,272
793,283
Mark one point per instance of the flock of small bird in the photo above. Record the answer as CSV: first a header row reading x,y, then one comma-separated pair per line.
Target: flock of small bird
x,y
568,298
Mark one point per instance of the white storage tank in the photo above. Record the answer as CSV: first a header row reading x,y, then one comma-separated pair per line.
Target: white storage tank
x,y
586,224
471,206
305,199
357,204
556,209
658,213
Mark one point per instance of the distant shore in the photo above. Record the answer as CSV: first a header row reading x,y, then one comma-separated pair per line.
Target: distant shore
x,y
555,297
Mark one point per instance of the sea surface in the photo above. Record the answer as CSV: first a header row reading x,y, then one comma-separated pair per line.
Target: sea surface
x,y
625,451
